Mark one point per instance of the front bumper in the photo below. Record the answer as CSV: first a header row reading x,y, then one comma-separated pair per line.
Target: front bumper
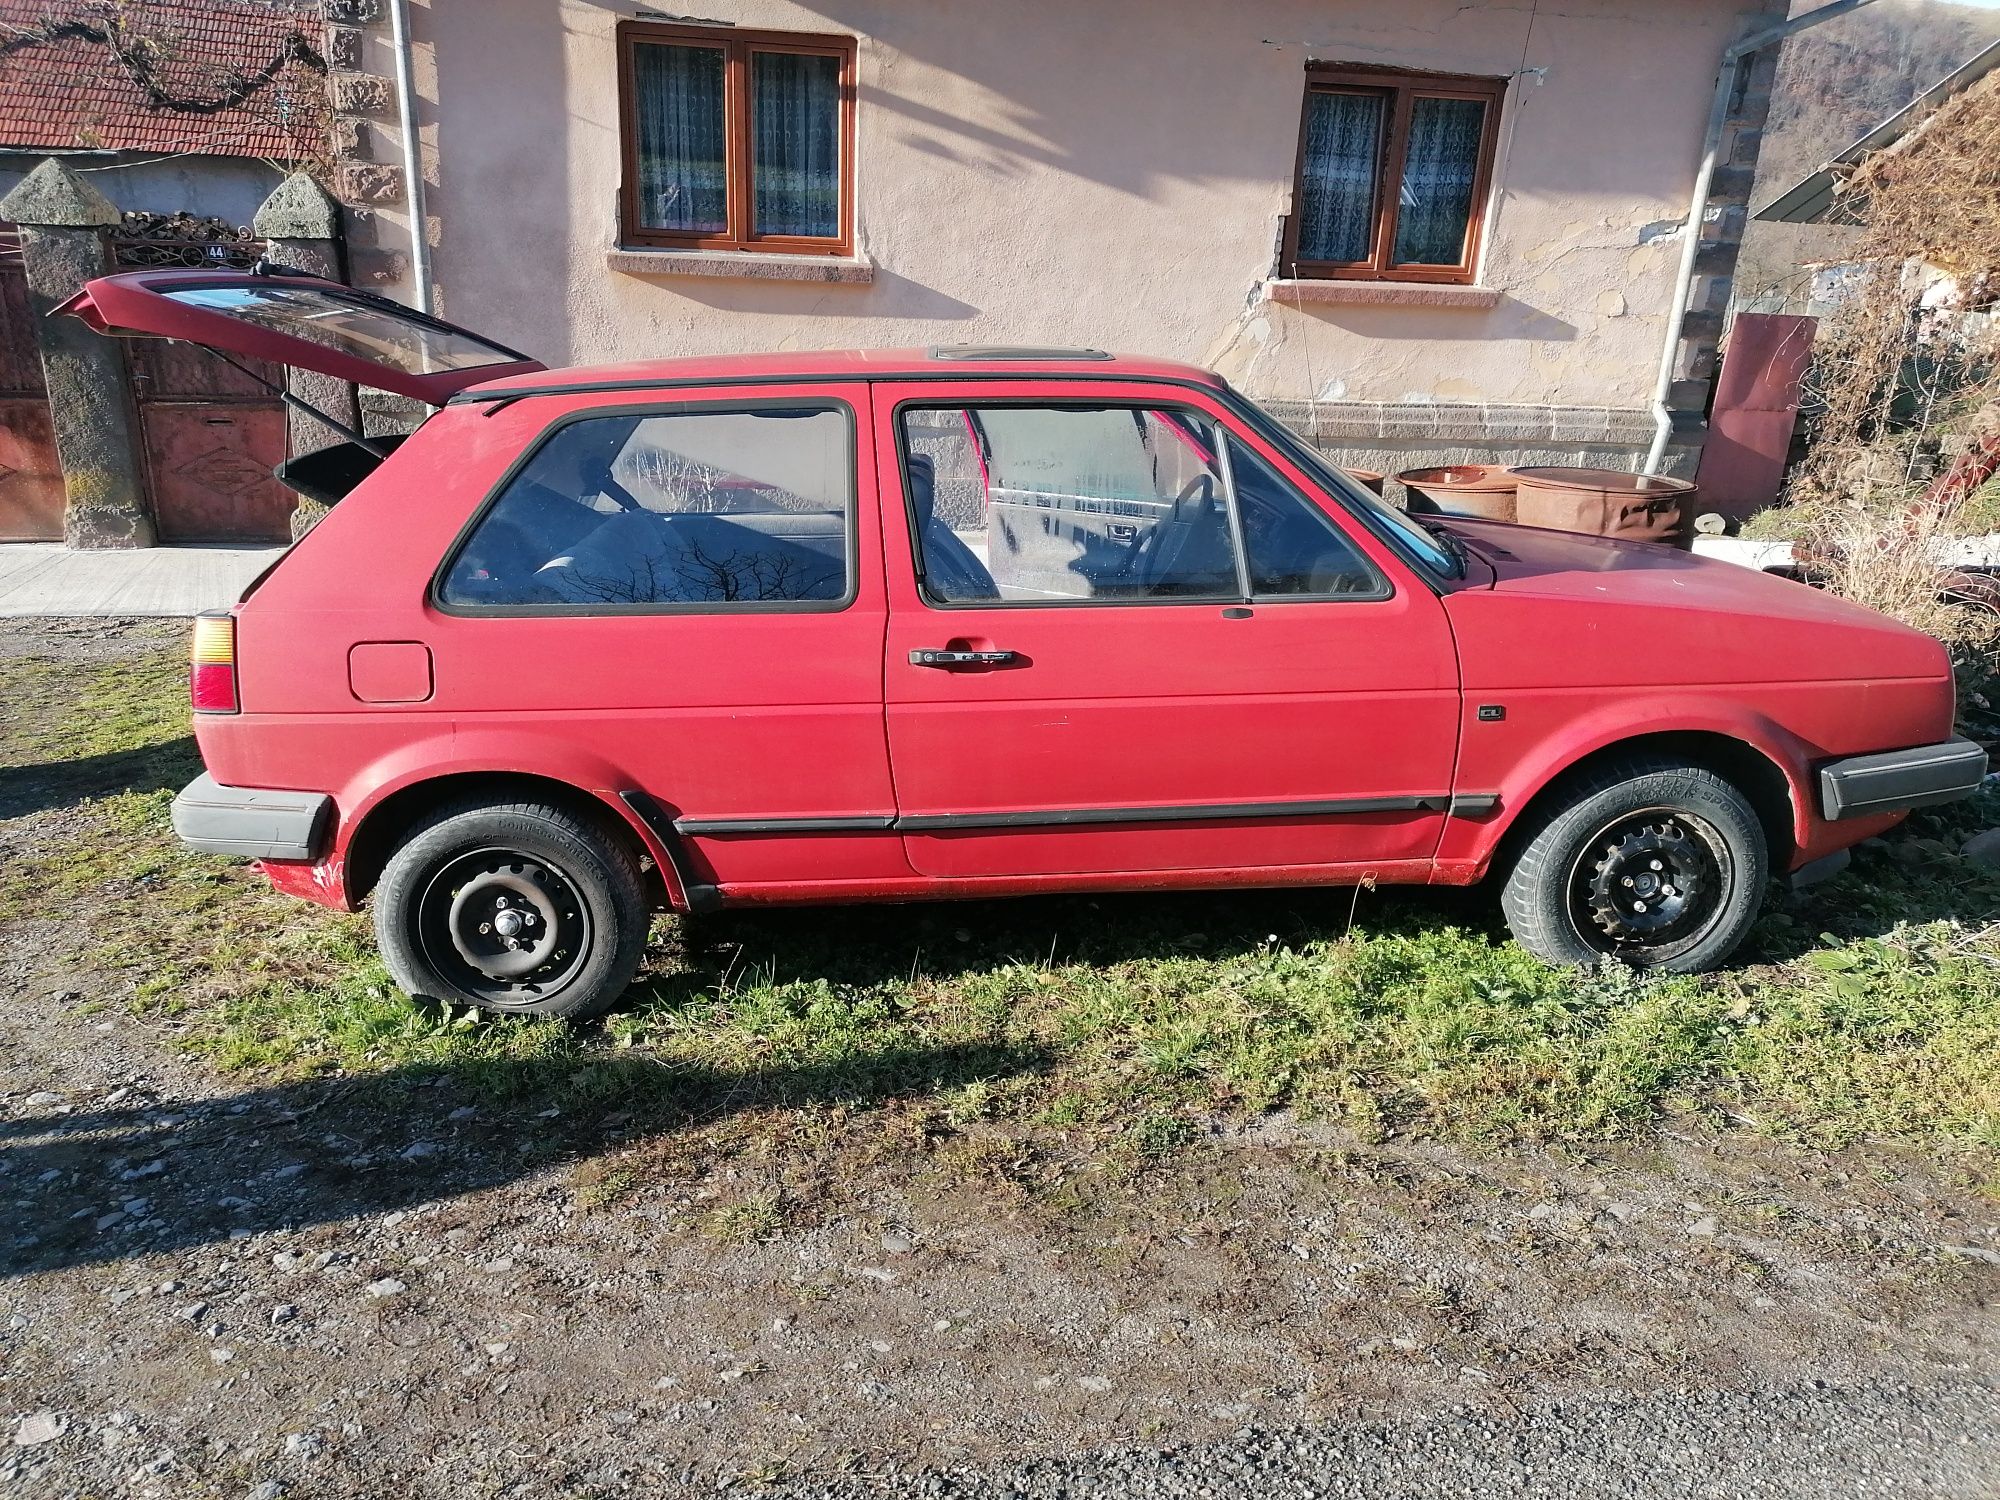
x,y
1898,780
250,822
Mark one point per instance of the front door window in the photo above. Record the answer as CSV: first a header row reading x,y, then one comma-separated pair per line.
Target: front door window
x,y
1028,504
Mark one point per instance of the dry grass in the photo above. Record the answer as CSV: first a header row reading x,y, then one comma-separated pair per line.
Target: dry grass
x,y
1896,383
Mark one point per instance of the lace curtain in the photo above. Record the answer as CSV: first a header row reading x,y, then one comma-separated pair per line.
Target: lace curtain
x,y
1343,147
795,143
683,179
1440,166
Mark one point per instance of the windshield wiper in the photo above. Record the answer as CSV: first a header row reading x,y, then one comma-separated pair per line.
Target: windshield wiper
x,y
1447,539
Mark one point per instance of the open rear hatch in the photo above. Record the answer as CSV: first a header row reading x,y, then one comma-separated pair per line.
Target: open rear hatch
x,y
290,318
294,319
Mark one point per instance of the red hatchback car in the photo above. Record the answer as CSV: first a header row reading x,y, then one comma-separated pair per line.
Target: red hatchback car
x,y
972,622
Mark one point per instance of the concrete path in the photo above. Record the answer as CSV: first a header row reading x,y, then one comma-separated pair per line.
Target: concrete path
x,y
42,578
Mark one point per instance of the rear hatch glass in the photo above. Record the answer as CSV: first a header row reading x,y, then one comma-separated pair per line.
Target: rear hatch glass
x,y
304,321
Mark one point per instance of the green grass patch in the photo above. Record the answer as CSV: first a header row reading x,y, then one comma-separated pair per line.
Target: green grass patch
x,y
1870,1008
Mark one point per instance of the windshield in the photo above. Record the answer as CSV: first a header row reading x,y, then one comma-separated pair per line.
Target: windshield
x,y
1430,550
359,326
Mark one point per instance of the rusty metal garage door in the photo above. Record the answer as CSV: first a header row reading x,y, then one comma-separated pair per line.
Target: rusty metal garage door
x,y
211,435
31,487
212,438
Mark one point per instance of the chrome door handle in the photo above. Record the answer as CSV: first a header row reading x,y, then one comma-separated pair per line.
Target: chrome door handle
x,y
949,659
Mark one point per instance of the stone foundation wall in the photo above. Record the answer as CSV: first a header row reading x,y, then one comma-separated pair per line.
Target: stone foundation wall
x,y
1390,436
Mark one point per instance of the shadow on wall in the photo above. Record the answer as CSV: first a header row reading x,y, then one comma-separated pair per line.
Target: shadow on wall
x,y
1117,94
1511,318
509,176
911,299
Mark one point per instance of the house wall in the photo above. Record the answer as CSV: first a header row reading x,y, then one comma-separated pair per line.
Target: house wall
x,y
1115,173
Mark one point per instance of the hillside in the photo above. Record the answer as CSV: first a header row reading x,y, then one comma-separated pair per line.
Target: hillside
x,y
1834,84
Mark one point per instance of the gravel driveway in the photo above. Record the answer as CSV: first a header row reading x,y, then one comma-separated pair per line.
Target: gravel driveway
x,y
1813,1442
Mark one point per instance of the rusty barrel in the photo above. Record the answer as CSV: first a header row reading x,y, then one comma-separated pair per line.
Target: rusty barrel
x,y
1607,502
1482,490
1366,477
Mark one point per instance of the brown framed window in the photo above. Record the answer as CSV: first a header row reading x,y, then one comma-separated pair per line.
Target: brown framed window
x,y
1394,170
736,140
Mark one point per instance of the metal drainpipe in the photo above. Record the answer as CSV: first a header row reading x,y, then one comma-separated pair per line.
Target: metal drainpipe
x,y
413,153
1718,120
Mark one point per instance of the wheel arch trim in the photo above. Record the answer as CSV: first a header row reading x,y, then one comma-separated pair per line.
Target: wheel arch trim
x,y
1688,727
462,760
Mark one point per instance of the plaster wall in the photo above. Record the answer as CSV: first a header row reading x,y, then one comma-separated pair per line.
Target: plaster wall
x,y
1103,172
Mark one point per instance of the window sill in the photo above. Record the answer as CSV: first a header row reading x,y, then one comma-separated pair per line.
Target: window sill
x,y
755,265
1380,293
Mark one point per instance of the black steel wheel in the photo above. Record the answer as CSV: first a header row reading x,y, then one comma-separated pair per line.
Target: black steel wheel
x,y
507,928
1653,863
521,908
1649,885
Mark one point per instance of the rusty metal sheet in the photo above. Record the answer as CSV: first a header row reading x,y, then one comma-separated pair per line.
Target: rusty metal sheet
x,y
209,471
163,370
31,485
1755,412
20,355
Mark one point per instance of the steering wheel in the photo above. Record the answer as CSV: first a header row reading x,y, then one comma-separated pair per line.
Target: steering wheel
x,y
623,498
1140,563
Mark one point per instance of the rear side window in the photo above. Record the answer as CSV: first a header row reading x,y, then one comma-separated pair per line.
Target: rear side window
x,y
742,508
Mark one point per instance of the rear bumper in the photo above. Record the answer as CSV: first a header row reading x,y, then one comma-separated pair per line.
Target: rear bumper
x,y
1898,780
251,822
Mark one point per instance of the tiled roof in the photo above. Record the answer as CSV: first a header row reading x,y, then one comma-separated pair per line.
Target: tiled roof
x,y
219,77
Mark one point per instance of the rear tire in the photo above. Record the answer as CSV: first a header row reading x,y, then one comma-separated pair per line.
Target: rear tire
x,y
1655,863
519,908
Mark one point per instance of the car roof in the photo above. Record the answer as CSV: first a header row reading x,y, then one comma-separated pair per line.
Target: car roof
x,y
938,362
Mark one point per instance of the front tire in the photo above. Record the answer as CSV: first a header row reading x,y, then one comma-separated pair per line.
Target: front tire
x,y
1655,863
519,908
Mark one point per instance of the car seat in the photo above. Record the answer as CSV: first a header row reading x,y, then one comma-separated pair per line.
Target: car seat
x,y
952,571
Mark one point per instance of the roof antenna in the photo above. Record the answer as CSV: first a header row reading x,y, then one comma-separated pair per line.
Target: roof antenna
x,y
265,266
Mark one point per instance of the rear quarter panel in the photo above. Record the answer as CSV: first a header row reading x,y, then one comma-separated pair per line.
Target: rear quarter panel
x,y
363,574
716,714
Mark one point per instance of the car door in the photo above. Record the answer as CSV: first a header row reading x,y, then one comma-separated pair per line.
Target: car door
x,y
1124,637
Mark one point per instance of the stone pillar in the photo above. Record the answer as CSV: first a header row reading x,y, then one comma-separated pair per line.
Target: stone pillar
x,y
302,225
1720,229
62,220
362,95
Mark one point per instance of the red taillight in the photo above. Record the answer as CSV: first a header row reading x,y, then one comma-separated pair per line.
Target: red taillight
x,y
212,670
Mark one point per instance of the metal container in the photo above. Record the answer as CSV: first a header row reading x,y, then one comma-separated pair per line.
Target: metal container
x,y
1608,502
1367,477
1482,490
